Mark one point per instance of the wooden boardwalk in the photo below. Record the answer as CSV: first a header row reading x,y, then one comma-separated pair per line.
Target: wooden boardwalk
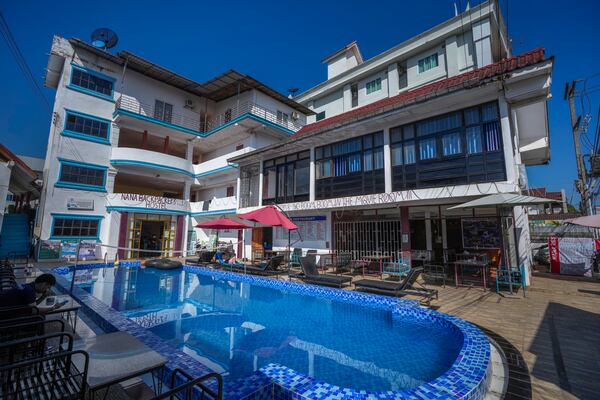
x,y
556,330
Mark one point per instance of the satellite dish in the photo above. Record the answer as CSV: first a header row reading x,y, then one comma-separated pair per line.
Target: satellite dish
x,y
104,38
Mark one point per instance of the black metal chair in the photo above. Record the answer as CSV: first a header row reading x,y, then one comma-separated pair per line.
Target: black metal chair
x,y
34,347
184,387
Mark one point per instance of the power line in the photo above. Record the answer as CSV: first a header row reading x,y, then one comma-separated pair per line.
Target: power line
x,y
21,62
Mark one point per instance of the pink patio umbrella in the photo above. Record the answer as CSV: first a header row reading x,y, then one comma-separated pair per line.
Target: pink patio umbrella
x,y
591,221
221,224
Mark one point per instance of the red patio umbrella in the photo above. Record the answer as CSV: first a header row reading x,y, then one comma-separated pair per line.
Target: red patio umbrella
x,y
222,224
269,215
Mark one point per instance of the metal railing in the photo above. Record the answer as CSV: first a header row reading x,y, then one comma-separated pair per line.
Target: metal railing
x,y
194,120
248,107
131,104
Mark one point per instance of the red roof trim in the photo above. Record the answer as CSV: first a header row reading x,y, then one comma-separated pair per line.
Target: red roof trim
x,y
11,156
477,75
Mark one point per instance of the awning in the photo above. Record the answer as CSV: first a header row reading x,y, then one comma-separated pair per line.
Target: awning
x,y
503,199
591,221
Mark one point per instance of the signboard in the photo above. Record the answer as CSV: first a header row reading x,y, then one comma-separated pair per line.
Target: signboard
x,y
87,250
69,249
49,250
572,256
147,201
80,204
310,229
481,233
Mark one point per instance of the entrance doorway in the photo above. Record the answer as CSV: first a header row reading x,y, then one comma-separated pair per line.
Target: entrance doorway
x,y
262,239
150,233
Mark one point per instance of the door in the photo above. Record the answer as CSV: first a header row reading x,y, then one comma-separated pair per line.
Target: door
x,y
136,238
257,244
168,238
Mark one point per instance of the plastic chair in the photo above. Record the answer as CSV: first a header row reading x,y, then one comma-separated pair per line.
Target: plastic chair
x,y
400,267
516,278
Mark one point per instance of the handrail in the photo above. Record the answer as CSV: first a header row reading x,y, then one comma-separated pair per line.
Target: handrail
x,y
283,119
133,105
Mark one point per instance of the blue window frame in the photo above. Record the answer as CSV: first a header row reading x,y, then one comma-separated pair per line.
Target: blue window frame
x,y
86,127
82,176
373,86
91,82
75,226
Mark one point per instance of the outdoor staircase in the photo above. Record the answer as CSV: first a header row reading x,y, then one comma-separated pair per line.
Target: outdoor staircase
x,y
14,237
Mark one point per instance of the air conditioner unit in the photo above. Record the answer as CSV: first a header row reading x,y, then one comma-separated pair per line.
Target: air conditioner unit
x,y
295,115
189,103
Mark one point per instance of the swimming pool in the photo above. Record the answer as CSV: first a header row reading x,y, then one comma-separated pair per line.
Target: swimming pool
x,y
347,342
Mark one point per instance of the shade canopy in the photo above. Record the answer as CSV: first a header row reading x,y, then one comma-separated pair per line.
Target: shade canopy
x,y
503,199
269,215
591,221
222,224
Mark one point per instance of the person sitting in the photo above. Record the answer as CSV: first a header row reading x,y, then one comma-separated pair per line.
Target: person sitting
x,y
30,294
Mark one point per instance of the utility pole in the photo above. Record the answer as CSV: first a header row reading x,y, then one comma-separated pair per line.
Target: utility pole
x,y
581,184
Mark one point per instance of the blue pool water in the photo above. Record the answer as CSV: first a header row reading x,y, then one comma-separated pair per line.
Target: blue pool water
x,y
236,328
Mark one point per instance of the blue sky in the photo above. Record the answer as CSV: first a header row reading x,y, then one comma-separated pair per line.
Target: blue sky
x,y
282,43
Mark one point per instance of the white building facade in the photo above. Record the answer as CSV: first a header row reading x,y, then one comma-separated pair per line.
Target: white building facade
x,y
397,140
136,151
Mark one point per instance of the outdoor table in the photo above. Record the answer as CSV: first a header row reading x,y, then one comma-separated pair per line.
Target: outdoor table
x,y
324,256
117,357
374,259
69,310
470,263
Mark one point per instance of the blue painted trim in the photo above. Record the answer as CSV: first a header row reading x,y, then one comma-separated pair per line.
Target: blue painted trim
x,y
151,165
216,212
156,121
214,171
144,209
81,186
83,136
98,218
198,133
72,86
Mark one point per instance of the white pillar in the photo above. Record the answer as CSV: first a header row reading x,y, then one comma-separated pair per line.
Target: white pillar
x,y
509,157
387,160
260,183
428,237
186,219
393,79
347,99
189,154
452,56
5,172
312,175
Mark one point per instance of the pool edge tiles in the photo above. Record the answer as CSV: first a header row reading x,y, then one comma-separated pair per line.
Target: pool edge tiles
x,y
466,379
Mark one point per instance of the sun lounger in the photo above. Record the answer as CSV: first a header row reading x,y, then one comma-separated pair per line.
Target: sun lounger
x,y
310,274
270,267
405,287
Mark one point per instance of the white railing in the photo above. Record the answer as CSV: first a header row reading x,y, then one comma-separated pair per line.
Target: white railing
x,y
216,204
248,107
186,119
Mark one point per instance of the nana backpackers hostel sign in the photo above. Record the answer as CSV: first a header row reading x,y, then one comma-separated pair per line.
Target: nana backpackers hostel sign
x,y
156,202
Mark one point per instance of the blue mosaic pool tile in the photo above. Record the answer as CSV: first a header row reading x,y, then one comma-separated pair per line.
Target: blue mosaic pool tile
x,y
467,379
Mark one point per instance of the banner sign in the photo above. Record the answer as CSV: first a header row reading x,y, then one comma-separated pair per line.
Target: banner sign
x,y
69,249
157,202
87,250
80,204
572,256
49,250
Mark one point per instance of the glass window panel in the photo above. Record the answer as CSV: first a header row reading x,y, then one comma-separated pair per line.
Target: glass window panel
x,y
409,132
269,183
354,163
340,166
492,135
281,181
318,153
367,142
302,177
378,158
427,149
325,168
378,138
472,116
368,160
451,144
474,142
397,154
395,135
489,111
409,153
326,151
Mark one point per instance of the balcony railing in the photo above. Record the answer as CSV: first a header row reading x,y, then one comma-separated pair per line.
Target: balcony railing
x,y
216,204
189,120
285,120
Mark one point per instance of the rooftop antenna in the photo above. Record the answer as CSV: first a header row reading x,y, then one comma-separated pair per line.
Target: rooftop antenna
x,y
104,38
292,92
455,10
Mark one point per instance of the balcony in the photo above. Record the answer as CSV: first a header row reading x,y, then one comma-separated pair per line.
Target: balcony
x,y
133,158
225,205
183,120
254,111
218,165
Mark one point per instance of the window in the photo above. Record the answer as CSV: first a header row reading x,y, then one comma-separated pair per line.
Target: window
x,y
86,127
373,86
287,179
282,118
474,144
451,144
427,149
75,175
354,94
230,191
81,227
427,63
163,111
321,115
350,156
396,154
91,82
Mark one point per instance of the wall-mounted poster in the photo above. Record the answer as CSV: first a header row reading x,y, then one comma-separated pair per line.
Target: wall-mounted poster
x,y
80,204
49,250
481,233
87,250
69,249
310,229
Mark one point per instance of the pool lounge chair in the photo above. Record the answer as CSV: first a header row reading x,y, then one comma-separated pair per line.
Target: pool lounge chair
x,y
310,274
405,287
270,267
